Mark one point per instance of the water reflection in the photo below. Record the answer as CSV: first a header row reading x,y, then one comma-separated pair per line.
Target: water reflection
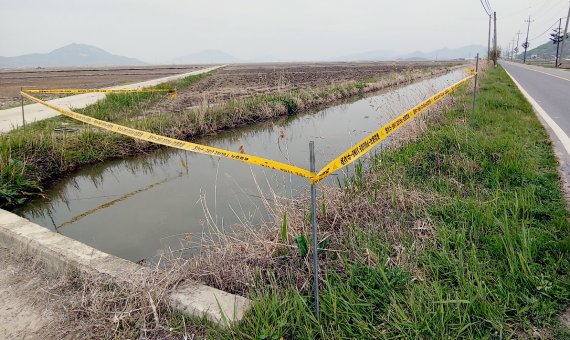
x,y
137,207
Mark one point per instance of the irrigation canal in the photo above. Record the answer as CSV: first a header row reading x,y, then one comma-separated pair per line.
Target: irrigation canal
x,y
164,201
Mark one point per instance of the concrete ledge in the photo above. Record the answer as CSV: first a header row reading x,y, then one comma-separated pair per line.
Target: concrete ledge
x,y
220,307
60,253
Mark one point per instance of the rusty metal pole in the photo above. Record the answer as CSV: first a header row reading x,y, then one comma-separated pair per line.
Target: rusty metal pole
x,y
475,90
314,230
23,116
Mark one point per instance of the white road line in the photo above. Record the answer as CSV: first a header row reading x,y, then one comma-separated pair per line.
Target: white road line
x,y
562,136
527,67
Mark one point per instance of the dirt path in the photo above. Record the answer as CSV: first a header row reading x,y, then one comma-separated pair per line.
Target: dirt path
x,y
12,118
12,80
25,310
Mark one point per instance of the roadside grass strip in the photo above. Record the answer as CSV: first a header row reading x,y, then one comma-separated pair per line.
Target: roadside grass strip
x,y
491,258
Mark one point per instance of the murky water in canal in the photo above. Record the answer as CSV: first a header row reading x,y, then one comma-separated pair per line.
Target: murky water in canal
x,y
137,207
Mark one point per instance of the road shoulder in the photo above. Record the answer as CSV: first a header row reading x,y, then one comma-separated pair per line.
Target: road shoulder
x,y
563,157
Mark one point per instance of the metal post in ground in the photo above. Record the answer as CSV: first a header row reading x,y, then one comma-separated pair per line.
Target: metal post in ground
x,y
475,90
314,230
489,40
495,52
23,117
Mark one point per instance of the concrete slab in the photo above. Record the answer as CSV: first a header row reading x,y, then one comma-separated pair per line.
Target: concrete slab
x,y
7,218
60,253
196,299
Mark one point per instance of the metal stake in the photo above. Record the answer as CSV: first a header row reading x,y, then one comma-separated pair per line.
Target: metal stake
x,y
23,117
475,90
314,227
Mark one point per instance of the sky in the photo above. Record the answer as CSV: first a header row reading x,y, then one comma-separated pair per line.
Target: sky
x,y
159,30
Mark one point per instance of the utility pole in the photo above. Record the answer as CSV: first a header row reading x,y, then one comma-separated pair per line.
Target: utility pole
x,y
525,45
489,41
517,48
564,37
557,38
512,49
496,55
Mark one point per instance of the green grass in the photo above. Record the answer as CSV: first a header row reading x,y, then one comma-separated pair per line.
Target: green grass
x,y
496,264
493,263
121,106
29,156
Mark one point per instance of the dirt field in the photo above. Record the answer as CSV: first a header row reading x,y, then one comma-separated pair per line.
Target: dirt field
x,y
25,310
234,81
242,80
96,77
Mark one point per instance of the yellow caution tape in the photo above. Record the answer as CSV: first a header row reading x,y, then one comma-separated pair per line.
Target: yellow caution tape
x,y
175,143
470,70
341,161
376,137
45,91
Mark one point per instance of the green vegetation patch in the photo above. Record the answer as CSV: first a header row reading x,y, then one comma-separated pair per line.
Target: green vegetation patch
x,y
487,255
31,155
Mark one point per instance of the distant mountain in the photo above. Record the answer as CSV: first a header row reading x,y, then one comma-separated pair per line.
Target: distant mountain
x,y
441,54
368,56
206,57
67,56
546,51
467,52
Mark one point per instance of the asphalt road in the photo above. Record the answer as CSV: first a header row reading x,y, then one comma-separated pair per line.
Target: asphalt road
x,y
548,90
12,118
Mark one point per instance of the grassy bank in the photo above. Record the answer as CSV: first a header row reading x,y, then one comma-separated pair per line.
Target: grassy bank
x,y
463,232
30,157
458,233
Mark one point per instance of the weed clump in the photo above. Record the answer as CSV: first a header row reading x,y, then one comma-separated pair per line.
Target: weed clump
x,y
461,232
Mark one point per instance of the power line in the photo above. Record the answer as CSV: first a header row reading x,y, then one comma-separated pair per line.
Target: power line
x,y
484,7
547,30
545,10
489,6
539,10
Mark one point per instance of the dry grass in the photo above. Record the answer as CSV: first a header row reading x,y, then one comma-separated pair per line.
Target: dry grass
x,y
372,206
78,305
383,207
247,257
95,307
